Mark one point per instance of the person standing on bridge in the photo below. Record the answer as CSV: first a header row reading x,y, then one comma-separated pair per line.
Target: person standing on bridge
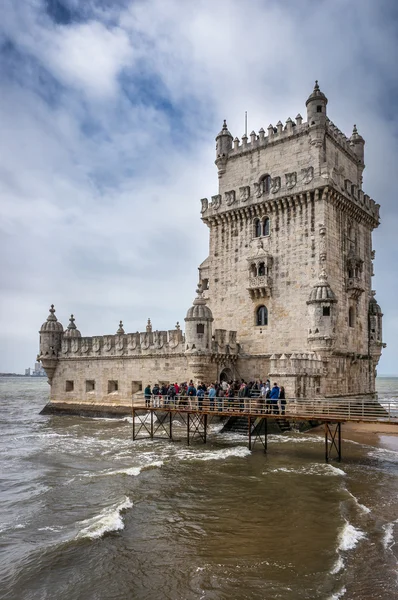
x,y
212,396
147,394
274,396
282,398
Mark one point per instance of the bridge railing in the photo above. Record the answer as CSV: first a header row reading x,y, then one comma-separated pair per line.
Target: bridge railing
x,y
347,409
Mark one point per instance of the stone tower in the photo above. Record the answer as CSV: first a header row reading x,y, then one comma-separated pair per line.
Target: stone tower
x,y
290,260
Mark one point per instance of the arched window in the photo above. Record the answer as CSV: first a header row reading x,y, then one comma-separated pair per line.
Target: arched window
x,y
253,270
266,226
266,180
257,228
261,269
351,317
262,315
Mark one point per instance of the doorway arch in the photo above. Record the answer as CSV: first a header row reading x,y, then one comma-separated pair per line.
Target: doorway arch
x,y
226,374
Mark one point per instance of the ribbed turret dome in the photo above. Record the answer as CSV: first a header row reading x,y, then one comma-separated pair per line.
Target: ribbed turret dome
x,y
322,292
224,130
356,137
72,331
52,324
199,311
316,94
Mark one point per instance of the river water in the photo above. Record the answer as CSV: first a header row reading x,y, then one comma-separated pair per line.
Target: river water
x,y
86,513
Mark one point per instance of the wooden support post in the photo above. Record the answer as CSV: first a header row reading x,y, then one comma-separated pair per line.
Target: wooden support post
x,y
332,435
133,425
188,429
250,431
205,428
151,424
265,435
171,425
326,442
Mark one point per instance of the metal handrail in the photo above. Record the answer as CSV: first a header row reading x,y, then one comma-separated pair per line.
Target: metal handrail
x,y
339,409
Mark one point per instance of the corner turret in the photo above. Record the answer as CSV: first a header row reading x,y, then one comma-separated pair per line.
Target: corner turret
x,y
51,333
358,145
223,147
198,339
316,115
322,314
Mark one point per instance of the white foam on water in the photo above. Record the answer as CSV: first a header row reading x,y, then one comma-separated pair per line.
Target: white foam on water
x,y
297,438
48,528
313,469
133,471
338,594
363,508
338,566
384,454
237,451
388,538
108,520
349,537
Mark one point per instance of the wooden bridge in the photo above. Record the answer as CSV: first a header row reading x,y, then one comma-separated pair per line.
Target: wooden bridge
x,y
153,417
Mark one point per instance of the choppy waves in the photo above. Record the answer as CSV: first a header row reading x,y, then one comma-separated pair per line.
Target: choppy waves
x,y
312,469
349,537
109,519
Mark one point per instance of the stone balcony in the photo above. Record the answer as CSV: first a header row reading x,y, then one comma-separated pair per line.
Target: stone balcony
x,y
354,287
259,287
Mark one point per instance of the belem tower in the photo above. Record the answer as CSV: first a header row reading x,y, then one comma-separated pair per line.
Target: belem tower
x,y
285,292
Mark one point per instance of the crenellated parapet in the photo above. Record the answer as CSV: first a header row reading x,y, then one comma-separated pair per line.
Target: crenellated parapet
x,y
275,135
124,344
296,363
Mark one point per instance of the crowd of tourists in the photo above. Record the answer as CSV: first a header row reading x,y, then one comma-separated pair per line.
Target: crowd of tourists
x,y
224,395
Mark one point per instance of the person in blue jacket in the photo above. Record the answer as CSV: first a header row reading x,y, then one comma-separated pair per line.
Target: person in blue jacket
x,y
274,396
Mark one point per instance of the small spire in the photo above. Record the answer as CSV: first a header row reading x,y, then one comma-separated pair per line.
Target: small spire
x,y
355,130
149,326
316,86
51,316
120,331
224,127
178,326
199,290
72,323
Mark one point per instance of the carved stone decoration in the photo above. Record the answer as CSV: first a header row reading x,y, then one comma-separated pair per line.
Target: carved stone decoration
x,y
119,343
96,346
322,242
75,344
291,180
308,174
258,190
65,346
85,346
230,197
205,205
215,201
108,339
146,340
133,340
158,339
275,184
244,193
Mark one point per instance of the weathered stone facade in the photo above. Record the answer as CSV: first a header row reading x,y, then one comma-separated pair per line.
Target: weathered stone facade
x,y
286,289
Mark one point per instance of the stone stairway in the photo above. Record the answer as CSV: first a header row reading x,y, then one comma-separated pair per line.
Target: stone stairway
x,y
240,425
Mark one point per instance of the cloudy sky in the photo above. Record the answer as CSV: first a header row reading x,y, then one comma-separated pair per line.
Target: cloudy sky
x,y
109,109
